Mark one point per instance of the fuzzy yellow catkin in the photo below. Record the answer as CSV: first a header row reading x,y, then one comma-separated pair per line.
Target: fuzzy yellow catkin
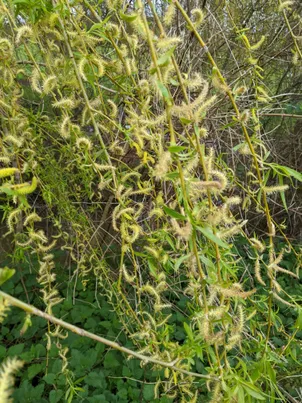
x,y
233,201
245,116
257,45
136,230
4,309
17,141
182,232
203,185
168,42
4,172
169,14
232,230
295,58
7,369
81,66
24,31
233,341
198,16
151,290
49,84
99,63
221,177
113,107
64,103
5,105
38,236
257,244
217,82
4,159
47,248
184,110
26,188
160,307
285,5
162,167
6,46
216,396
244,149
263,92
152,251
35,81
83,142
65,127
273,189
128,278
281,270
12,218
234,291
278,298
258,272
33,217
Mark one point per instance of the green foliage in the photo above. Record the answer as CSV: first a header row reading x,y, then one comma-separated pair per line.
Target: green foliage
x,y
124,201
95,371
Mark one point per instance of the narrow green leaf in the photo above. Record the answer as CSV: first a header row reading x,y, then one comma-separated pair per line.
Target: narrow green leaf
x,y
208,233
179,261
163,90
164,59
298,323
185,121
176,149
174,214
240,394
291,172
253,393
188,331
128,17
282,194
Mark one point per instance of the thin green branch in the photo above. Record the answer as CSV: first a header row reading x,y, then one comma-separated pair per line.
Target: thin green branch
x,y
81,332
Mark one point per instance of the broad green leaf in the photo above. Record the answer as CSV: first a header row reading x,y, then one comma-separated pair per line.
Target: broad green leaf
x,y
49,378
5,274
208,233
148,392
34,370
174,214
55,396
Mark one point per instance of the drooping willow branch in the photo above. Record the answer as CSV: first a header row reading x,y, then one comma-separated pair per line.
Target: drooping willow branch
x,y
81,332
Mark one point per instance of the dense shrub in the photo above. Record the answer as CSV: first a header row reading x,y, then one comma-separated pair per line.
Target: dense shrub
x,y
140,195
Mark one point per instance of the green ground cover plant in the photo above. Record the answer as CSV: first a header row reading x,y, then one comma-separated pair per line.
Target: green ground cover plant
x,y
148,255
